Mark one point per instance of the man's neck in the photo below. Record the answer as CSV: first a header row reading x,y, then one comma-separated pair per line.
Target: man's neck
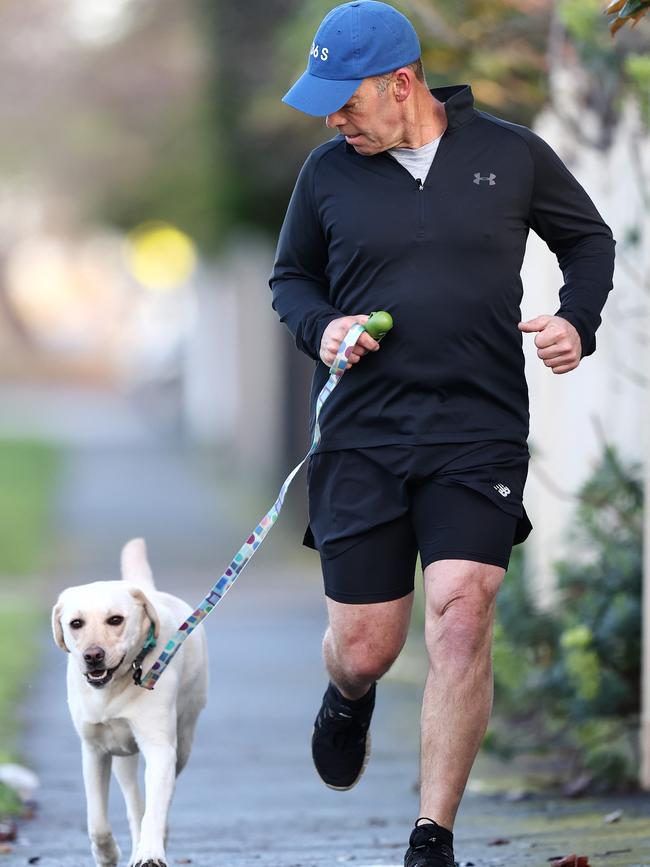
x,y
426,122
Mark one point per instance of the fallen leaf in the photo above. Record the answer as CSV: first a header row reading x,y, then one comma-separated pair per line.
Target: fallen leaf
x,y
615,816
515,795
571,861
8,832
578,785
500,841
34,859
5,849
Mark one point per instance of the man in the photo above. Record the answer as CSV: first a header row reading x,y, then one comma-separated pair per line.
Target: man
x,y
421,205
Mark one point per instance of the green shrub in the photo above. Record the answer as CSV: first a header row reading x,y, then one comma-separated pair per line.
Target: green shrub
x,y
569,679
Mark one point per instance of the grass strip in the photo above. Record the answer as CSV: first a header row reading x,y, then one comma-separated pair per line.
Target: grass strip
x,y
21,626
27,476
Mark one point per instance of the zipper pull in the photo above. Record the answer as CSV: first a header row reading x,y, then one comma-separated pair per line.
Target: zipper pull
x,y
418,181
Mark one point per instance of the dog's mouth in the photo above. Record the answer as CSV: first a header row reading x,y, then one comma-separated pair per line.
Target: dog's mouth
x,y
99,677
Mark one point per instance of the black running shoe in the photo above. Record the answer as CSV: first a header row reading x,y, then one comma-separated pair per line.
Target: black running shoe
x,y
340,744
427,849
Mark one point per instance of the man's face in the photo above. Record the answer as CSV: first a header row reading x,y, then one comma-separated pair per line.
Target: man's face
x,y
370,121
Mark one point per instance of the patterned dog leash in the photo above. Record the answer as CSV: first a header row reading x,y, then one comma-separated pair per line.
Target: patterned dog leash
x,y
378,325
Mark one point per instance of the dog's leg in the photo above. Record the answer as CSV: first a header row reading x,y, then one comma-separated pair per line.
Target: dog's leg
x,y
125,769
159,780
185,738
97,775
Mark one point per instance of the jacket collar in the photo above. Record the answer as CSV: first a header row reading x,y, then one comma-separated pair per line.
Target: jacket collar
x,y
458,101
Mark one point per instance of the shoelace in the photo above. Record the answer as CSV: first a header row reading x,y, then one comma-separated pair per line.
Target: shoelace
x,y
438,849
342,729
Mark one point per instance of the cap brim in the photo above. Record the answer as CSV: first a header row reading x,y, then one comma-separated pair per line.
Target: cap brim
x,y
319,96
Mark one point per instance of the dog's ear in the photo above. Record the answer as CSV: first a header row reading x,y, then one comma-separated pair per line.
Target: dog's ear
x,y
152,614
57,628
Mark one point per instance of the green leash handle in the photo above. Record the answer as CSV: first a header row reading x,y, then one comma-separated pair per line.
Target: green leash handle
x,y
379,324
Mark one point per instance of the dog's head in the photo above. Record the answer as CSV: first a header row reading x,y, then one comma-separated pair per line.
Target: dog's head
x,y
104,626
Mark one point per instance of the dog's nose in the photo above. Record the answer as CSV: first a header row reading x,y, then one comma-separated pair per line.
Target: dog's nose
x,y
94,655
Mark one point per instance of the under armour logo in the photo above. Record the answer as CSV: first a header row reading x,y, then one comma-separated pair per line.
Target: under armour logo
x,y
490,178
504,490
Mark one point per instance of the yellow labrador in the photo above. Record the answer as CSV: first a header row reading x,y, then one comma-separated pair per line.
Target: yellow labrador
x,y
106,626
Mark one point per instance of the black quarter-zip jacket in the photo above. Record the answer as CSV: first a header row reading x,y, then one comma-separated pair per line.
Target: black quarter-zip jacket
x,y
443,256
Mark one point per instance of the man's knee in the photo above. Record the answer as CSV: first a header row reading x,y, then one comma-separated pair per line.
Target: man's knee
x,y
460,604
367,639
361,660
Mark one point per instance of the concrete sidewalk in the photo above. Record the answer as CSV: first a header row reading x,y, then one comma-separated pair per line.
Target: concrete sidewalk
x,y
250,795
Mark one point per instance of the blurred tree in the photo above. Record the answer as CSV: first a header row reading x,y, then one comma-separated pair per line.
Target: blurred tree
x,y
607,72
114,128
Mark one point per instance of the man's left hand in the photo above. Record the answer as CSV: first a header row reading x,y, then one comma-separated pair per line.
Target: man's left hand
x,y
558,342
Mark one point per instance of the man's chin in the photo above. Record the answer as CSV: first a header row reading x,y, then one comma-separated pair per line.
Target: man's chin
x,y
362,146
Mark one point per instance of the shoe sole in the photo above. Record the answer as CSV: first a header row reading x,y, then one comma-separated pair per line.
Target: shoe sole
x,y
366,759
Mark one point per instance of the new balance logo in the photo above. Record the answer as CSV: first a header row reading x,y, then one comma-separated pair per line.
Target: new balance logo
x,y
504,490
478,178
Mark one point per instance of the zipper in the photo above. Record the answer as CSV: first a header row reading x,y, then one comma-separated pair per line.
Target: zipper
x,y
420,187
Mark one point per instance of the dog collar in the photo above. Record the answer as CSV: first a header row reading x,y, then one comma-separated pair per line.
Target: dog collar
x,y
149,644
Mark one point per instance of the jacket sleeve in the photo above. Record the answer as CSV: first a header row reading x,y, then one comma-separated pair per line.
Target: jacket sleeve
x,y
564,216
298,281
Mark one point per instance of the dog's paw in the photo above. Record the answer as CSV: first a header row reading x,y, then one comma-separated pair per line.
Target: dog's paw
x,y
105,850
152,862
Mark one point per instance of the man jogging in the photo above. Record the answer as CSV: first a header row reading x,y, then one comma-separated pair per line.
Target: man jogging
x,y
421,205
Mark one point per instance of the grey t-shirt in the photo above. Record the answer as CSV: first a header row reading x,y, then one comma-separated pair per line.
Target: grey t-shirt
x,y
417,160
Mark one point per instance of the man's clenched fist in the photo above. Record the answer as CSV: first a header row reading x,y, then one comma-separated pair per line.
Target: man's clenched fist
x,y
334,334
558,342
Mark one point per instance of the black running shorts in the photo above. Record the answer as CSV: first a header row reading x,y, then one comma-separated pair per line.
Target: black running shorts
x,y
372,510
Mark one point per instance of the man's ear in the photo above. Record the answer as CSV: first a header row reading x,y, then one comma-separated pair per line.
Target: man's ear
x,y
402,83
57,628
152,614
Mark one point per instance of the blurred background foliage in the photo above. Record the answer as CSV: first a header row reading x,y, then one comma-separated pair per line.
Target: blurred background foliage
x,y
568,680
181,116
503,48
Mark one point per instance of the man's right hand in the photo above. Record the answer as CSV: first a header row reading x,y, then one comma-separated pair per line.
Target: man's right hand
x,y
334,334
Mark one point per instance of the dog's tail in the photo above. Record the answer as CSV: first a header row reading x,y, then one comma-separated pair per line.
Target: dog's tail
x,y
135,566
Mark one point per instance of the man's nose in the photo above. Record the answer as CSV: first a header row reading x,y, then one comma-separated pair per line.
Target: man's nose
x,y
333,120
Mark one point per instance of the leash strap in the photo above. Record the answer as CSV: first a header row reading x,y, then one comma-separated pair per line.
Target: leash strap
x,y
243,557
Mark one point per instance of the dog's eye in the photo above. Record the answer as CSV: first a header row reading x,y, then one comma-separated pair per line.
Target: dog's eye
x,y
115,620
76,623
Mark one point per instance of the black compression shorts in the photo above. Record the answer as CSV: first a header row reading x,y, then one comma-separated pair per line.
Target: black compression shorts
x,y
372,510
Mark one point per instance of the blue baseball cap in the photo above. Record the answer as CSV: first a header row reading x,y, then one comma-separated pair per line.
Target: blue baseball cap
x,y
354,41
